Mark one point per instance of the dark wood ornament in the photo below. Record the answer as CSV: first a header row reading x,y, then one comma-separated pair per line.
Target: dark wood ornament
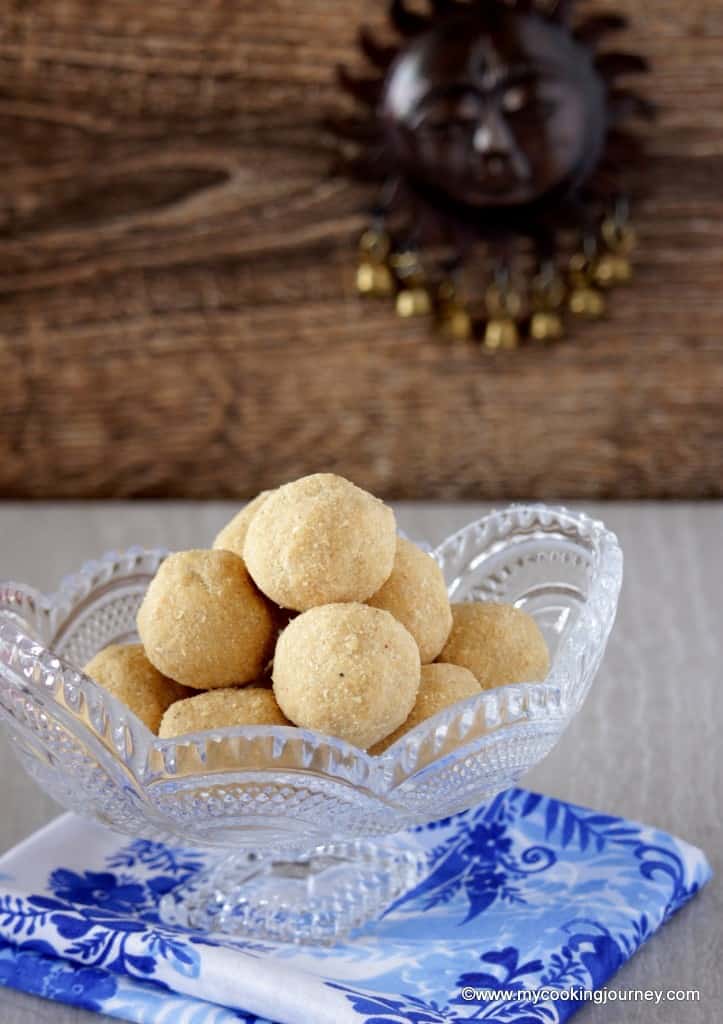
x,y
497,133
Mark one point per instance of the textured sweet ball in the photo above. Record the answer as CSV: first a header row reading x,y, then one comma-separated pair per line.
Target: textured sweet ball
x,y
233,535
125,671
416,596
320,540
203,623
440,687
498,643
347,670
219,709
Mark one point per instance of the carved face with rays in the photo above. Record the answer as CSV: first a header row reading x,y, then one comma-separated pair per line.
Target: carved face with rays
x,y
489,120
497,110
492,103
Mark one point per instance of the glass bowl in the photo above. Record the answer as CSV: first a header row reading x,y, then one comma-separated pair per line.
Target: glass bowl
x,y
309,831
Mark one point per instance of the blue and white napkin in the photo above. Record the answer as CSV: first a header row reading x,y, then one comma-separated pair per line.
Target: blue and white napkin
x,y
528,904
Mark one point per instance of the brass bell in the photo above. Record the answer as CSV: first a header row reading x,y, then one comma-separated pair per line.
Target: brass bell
x,y
501,334
548,291
413,302
455,323
407,266
374,279
619,237
546,326
587,301
503,303
373,276
453,318
581,269
612,269
375,245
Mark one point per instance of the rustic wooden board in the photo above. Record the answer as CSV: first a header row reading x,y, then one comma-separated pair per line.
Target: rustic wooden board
x,y
177,312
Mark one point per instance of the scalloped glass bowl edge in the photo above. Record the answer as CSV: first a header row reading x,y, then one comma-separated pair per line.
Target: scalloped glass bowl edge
x,y
279,787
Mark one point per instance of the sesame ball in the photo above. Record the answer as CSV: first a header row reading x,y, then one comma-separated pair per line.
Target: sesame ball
x,y
440,687
203,623
125,672
416,595
221,708
320,540
347,670
498,643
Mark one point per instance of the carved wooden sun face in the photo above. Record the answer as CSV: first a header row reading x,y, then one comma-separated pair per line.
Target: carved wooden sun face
x,y
488,121
494,109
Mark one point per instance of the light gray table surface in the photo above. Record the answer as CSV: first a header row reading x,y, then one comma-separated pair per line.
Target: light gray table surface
x,y
647,743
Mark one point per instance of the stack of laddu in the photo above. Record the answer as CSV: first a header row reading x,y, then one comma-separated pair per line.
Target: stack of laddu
x,y
310,611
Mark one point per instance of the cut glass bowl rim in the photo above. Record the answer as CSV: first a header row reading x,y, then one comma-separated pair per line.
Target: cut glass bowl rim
x,y
27,615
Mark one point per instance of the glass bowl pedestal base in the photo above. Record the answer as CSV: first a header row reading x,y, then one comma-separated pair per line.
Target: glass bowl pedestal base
x,y
317,897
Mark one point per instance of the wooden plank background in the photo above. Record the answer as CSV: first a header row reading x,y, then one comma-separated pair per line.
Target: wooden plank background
x,y
177,312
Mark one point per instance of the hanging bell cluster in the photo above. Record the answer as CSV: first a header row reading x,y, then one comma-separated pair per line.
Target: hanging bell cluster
x,y
603,262
509,315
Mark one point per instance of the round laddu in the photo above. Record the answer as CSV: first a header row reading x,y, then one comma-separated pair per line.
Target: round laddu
x,y
416,595
233,535
125,671
320,540
440,687
203,623
498,643
219,709
347,670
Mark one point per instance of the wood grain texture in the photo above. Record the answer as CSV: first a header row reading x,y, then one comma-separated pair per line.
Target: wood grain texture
x,y
177,312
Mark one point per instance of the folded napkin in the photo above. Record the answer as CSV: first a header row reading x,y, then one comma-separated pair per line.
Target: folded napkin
x,y
526,894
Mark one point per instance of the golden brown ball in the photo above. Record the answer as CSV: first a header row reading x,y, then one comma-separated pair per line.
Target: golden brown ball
x,y
320,540
498,643
219,709
440,687
233,535
203,623
347,670
125,671
416,595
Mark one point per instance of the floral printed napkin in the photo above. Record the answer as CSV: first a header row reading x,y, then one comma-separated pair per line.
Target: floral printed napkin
x,y
528,903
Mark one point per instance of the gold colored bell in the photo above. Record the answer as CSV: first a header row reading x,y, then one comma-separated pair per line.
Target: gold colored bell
x,y
501,334
581,269
413,302
375,245
374,279
548,292
453,318
620,238
455,323
502,303
407,266
546,326
612,269
587,301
